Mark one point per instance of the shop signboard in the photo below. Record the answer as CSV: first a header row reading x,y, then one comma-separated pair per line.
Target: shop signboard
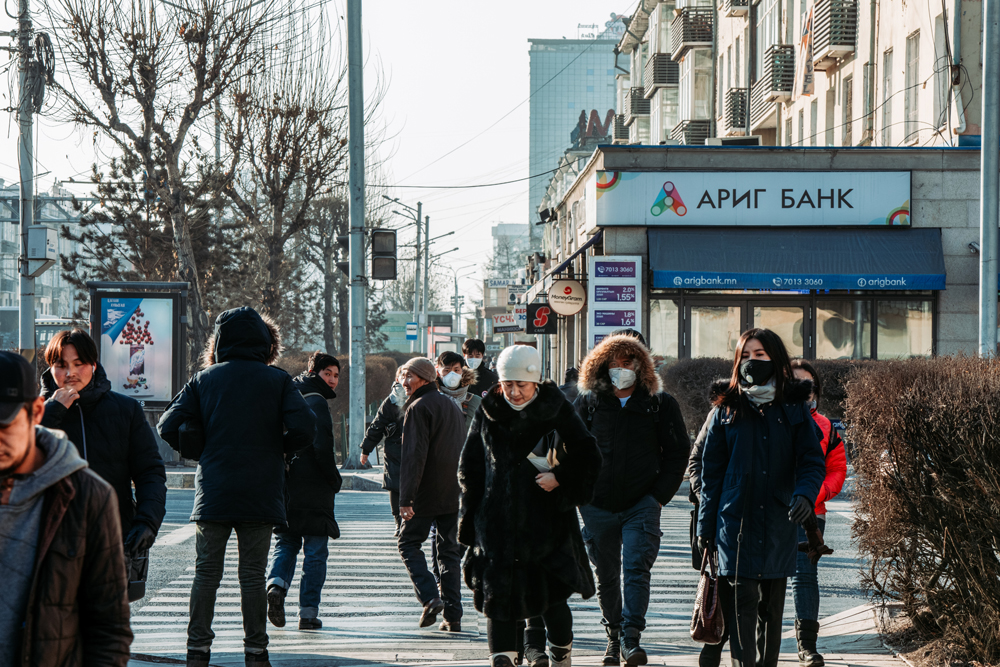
x,y
514,291
411,331
507,323
614,289
494,283
745,198
567,297
540,319
139,336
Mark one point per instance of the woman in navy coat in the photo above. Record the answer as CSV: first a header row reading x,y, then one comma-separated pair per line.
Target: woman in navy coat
x,y
762,468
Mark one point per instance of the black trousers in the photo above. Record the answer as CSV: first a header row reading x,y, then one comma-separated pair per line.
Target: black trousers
x,y
557,620
448,557
394,503
743,601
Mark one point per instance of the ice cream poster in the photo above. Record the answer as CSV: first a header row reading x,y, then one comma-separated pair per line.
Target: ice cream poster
x,y
136,346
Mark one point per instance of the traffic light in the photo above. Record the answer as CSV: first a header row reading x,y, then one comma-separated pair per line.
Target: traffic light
x,y
383,254
344,241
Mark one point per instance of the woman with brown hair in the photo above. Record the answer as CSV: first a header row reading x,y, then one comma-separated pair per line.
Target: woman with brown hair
x,y
762,468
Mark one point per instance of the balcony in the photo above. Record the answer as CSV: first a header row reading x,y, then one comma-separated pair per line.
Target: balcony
x,y
735,112
636,105
692,132
734,8
620,130
775,85
691,29
835,30
660,72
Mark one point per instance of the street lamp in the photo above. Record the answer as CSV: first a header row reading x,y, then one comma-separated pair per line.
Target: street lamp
x,y
416,217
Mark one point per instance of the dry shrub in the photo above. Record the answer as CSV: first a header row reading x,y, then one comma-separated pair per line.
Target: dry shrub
x,y
927,441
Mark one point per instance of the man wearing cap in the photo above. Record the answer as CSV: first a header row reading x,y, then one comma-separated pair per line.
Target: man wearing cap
x,y
65,597
433,436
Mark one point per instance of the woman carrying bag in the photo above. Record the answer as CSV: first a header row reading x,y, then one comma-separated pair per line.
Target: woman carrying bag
x,y
762,467
518,507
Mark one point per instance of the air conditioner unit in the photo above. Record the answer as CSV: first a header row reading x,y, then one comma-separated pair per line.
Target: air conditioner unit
x,y
753,140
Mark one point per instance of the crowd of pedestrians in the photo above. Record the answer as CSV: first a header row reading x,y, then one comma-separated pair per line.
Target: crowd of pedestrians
x,y
495,471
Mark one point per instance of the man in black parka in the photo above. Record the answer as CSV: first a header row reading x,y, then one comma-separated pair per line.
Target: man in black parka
x,y
313,480
252,415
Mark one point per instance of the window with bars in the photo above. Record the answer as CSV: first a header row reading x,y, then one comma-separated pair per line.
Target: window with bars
x,y
848,111
887,98
911,97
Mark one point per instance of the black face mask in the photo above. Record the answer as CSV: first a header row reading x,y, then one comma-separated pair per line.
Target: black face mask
x,y
756,371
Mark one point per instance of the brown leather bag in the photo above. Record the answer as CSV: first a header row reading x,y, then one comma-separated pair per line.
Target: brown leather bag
x,y
707,624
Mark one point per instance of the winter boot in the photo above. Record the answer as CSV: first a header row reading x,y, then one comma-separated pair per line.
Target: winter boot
x,y
561,656
430,612
257,659
198,658
276,606
450,626
613,653
503,659
310,624
806,633
534,648
631,651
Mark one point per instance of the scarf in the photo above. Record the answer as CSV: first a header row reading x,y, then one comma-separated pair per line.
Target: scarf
x,y
458,394
760,394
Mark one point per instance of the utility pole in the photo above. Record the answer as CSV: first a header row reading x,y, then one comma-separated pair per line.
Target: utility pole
x,y
356,185
989,183
416,282
26,160
427,295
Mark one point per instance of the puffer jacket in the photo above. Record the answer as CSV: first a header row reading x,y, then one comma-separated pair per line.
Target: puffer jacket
x,y
251,414
836,462
78,613
388,424
313,478
112,434
526,552
644,445
755,461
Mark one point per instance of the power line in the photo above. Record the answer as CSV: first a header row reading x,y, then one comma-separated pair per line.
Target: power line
x,y
478,185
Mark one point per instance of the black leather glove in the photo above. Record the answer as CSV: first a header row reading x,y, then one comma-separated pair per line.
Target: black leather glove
x,y
801,511
706,543
140,538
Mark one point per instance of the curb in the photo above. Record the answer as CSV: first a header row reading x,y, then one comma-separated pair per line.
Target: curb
x,y
360,482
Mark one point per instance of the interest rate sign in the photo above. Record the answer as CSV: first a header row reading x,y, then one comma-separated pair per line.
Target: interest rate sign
x,y
615,285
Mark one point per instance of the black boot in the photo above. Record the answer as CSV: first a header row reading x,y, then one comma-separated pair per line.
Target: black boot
x,y
613,653
256,659
198,658
806,633
276,606
631,651
534,647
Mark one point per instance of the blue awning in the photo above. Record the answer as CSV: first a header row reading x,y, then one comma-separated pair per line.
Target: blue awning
x,y
797,259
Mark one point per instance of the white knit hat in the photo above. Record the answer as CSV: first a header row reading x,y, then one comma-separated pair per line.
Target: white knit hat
x,y
519,363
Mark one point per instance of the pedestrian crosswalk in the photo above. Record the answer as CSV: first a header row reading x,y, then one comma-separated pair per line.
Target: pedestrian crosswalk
x,y
369,608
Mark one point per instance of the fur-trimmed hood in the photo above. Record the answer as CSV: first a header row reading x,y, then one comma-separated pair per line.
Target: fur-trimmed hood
x,y
544,407
594,372
796,391
243,333
469,377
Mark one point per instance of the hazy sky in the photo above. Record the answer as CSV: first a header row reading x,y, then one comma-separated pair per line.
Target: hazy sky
x,y
452,69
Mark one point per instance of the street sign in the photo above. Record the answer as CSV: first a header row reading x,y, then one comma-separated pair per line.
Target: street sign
x,y
494,348
514,291
501,282
507,323
411,331
540,319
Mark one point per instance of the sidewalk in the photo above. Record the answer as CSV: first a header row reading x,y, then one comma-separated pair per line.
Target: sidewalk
x,y
182,477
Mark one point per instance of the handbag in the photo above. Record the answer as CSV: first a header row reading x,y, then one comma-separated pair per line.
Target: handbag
x,y
707,624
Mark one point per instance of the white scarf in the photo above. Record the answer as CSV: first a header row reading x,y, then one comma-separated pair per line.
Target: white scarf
x,y
760,394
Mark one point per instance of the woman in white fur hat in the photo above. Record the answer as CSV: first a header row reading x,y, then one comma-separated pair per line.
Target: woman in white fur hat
x,y
528,462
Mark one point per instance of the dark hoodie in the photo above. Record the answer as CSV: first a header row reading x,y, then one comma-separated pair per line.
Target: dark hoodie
x,y
644,444
112,434
251,414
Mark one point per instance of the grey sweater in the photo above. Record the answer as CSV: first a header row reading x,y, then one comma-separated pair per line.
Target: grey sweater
x,y
19,523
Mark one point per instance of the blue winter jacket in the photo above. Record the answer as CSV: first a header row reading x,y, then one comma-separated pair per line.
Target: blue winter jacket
x,y
755,461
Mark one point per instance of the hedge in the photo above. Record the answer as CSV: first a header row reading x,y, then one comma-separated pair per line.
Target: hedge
x,y
927,460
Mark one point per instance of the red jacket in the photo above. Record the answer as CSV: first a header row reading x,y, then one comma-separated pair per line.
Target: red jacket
x,y
836,463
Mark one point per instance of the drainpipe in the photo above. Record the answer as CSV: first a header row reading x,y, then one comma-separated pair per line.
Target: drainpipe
x,y
872,70
956,61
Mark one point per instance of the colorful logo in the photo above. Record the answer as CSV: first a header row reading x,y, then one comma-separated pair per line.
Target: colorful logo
x,y
668,198
900,216
541,317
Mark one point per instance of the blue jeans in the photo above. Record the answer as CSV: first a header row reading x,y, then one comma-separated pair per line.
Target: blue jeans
x,y
315,552
805,583
623,542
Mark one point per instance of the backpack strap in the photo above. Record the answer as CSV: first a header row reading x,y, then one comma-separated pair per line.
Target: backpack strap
x,y
655,408
591,409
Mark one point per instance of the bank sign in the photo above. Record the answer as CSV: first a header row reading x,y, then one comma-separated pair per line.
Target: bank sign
x,y
744,198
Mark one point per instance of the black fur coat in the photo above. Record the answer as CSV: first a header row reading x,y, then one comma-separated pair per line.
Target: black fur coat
x,y
526,552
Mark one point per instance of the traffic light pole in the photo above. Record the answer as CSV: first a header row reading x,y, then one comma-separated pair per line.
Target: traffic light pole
x,y
356,185
27,164
427,272
416,281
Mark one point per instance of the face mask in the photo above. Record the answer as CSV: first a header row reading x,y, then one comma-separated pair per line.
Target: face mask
x,y
622,378
398,395
522,406
756,371
811,405
473,362
452,380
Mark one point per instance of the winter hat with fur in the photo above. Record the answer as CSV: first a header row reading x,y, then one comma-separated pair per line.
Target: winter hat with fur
x,y
422,367
519,363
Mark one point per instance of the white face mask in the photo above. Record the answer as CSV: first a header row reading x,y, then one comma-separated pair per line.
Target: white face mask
x,y
622,378
398,394
452,380
473,362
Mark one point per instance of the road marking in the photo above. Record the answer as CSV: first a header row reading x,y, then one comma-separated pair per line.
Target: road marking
x,y
182,534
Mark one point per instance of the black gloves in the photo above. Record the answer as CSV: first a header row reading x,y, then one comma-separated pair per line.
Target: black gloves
x,y
801,511
706,543
140,538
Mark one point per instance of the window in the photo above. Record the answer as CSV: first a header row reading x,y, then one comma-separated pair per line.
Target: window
x,y
788,131
813,122
729,68
590,72
905,329
802,126
669,109
569,105
722,89
739,61
767,29
590,89
911,98
848,111
831,101
887,98
663,328
611,72
695,85
843,329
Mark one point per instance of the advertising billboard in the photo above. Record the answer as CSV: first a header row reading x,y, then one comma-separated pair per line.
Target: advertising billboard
x,y
614,289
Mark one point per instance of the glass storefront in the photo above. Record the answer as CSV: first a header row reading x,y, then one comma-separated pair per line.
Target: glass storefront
x,y
828,325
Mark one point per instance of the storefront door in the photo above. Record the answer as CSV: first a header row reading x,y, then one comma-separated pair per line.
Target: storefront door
x,y
713,328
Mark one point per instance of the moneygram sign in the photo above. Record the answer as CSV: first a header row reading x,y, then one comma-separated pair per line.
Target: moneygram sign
x,y
742,198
